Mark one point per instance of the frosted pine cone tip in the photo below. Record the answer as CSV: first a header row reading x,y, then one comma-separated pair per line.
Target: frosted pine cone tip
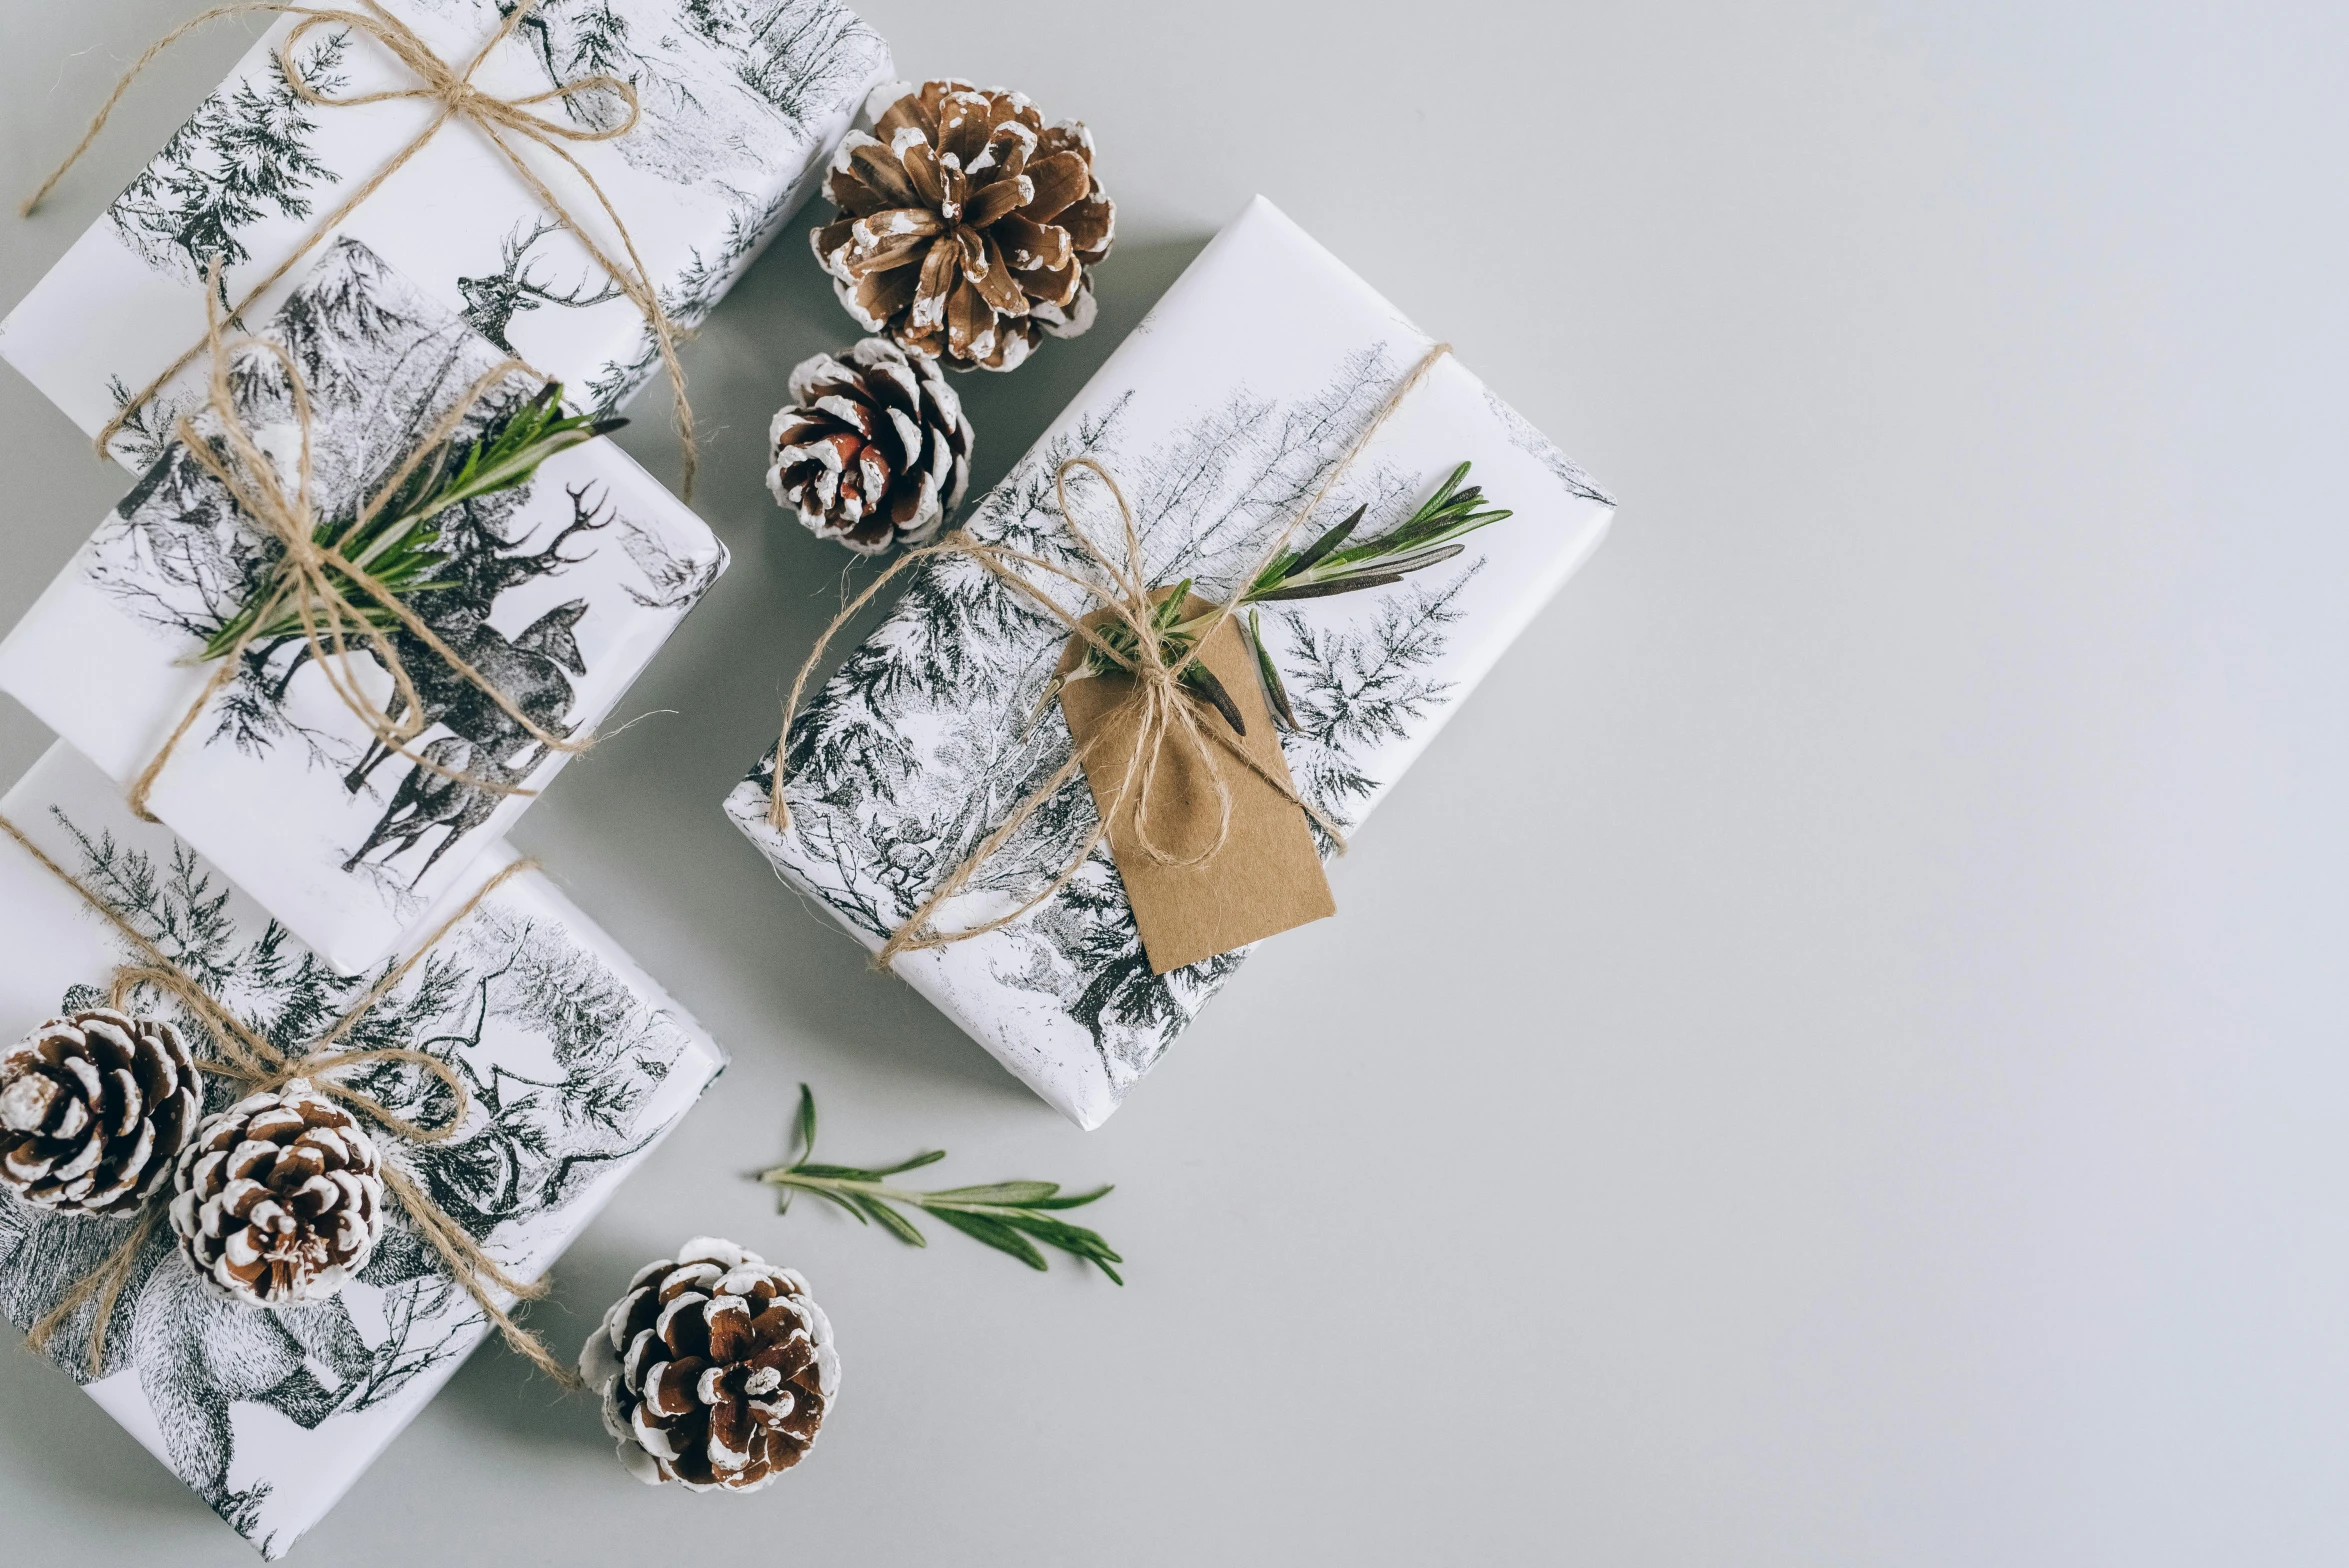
x,y
94,1108
873,449
279,1198
716,1369
967,226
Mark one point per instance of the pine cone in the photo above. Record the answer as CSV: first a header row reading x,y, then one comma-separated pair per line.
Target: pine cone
x,y
94,1107
874,448
716,1369
279,1198
966,225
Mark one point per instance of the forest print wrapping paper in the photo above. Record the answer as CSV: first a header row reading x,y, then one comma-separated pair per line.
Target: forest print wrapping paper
x,y
1220,415
575,1061
558,591
742,103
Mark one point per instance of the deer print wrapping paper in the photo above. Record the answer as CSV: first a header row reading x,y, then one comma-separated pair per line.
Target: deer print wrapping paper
x,y
576,1062
559,592
742,103
1219,415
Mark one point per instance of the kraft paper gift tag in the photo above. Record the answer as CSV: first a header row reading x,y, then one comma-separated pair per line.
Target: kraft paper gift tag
x,y
1265,879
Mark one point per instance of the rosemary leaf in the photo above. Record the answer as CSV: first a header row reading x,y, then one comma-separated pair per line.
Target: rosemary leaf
x,y
892,1221
1002,1192
995,1233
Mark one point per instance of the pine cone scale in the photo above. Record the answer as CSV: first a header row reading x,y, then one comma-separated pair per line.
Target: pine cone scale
x,y
886,176
882,247
993,278
1061,181
1033,248
999,200
1089,225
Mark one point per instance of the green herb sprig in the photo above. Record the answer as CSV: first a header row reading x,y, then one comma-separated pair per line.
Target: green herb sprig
x,y
1329,565
399,544
1002,1214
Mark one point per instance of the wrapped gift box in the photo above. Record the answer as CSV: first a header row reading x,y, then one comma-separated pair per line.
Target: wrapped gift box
x,y
565,589
1219,415
576,1063
742,103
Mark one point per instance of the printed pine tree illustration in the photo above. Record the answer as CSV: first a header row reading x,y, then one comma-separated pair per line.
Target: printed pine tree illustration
x,y
795,55
240,158
1357,687
580,38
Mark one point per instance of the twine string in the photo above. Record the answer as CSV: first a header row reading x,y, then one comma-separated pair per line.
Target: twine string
x,y
251,1060
1161,709
507,123
307,570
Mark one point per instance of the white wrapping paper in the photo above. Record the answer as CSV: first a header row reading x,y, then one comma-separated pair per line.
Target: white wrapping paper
x,y
1219,415
565,589
577,1065
742,100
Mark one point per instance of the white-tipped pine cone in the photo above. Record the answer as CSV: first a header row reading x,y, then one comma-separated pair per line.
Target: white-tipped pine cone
x,y
94,1107
716,1369
279,1198
967,225
874,448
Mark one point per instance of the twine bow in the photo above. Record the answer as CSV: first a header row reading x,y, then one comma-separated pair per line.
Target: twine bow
x,y
503,121
1162,710
303,579
258,1066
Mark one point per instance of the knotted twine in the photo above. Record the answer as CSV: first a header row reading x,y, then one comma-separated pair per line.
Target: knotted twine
x,y
503,121
261,1067
1163,710
303,576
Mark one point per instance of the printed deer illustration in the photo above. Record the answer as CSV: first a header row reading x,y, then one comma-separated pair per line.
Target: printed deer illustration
x,y
492,302
532,669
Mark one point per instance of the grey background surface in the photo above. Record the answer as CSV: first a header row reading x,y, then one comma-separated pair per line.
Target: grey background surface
x,y
1900,884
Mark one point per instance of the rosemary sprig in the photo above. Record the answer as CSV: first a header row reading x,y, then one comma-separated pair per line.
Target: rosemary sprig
x,y
1329,565
399,543
1337,563
1002,1214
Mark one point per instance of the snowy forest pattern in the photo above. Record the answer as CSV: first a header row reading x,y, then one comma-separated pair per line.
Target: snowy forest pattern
x,y
382,364
922,742
734,95
503,987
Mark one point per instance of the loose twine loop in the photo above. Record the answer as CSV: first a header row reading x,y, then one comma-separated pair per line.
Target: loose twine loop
x,y
1162,710
303,578
502,120
258,1066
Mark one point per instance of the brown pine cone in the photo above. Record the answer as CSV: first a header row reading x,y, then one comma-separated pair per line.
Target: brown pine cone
x,y
966,225
716,1369
279,1198
874,448
94,1107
